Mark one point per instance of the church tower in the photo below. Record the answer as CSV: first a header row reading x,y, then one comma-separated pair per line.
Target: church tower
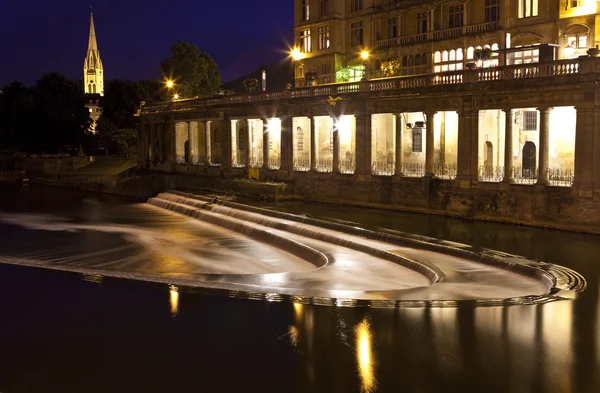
x,y
93,71
93,77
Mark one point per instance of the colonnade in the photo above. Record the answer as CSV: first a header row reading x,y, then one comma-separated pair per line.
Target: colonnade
x,y
476,145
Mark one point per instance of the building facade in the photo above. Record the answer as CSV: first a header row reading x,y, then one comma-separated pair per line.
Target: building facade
x,y
93,77
412,37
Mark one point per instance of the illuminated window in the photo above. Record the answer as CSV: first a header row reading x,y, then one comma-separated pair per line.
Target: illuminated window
x,y
455,16
324,8
525,56
323,37
356,34
577,41
392,28
417,140
305,10
305,43
528,8
422,22
448,60
529,120
492,10
415,65
356,5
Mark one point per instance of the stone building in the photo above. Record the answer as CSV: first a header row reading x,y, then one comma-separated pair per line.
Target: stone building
x,y
93,77
513,135
421,37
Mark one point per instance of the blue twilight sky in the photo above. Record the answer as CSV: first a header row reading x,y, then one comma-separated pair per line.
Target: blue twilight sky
x,y
37,36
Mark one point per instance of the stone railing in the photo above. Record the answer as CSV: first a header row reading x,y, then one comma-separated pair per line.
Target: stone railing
x,y
383,168
438,35
512,72
413,169
445,171
301,164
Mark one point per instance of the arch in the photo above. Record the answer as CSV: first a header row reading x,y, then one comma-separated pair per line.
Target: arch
x,y
459,54
404,61
495,46
452,56
445,55
411,61
576,28
424,58
526,38
470,51
437,57
417,59
529,159
488,154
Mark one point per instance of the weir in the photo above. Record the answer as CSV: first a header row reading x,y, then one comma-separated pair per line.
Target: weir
x,y
352,263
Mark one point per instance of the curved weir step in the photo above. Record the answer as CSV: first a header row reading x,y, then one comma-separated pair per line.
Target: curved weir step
x,y
433,273
433,254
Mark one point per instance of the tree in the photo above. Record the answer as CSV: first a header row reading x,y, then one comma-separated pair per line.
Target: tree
x,y
195,72
114,140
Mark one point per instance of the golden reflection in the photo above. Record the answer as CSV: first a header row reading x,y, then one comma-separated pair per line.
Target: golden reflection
x,y
174,301
365,357
294,334
298,311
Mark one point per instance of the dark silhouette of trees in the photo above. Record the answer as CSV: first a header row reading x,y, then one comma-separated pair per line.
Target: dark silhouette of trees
x,y
195,73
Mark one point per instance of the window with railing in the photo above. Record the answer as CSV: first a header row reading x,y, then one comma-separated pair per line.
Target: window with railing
x,y
392,28
324,8
417,140
421,22
323,37
356,34
527,8
356,5
305,10
530,120
456,16
448,60
305,42
578,41
492,10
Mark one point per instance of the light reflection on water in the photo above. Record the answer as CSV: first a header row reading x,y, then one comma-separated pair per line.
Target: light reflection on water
x,y
365,356
174,300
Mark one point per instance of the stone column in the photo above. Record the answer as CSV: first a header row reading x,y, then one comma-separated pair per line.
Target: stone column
x,y
313,145
442,162
399,146
468,141
226,147
508,147
544,150
336,149
363,144
191,143
429,143
265,146
287,141
584,147
207,141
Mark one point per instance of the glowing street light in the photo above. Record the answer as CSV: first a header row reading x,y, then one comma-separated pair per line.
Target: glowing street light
x,y
175,96
364,55
296,54
170,84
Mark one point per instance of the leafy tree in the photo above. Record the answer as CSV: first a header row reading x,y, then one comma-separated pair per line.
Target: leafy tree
x,y
114,140
16,115
195,73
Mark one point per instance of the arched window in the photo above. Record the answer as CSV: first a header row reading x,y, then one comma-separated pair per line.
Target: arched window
x,y
452,55
437,57
445,55
417,59
459,54
411,61
424,58
470,51
404,62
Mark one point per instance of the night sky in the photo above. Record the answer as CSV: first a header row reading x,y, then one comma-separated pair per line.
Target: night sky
x,y
37,37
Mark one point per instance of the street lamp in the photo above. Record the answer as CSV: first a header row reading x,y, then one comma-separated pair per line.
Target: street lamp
x,y
175,96
364,55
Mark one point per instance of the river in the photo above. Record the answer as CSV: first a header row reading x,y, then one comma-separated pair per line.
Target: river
x,y
72,332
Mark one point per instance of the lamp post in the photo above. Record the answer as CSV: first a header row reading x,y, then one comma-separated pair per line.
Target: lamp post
x,y
296,55
364,55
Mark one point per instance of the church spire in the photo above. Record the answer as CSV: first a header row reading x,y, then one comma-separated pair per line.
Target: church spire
x,y
92,44
93,72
